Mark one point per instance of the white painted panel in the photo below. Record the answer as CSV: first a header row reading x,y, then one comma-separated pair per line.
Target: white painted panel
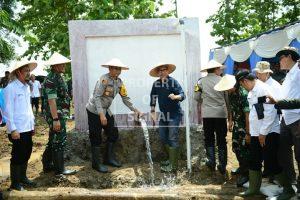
x,y
140,53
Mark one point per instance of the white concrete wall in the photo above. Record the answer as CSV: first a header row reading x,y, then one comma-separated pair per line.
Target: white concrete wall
x,y
140,44
140,53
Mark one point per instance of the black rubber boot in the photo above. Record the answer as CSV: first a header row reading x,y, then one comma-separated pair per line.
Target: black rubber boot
x,y
110,156
59,165
222,153
24,180
15,177
242,179
211,158
96,161
288,191
47,161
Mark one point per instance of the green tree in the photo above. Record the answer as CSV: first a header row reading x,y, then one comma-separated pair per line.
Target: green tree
x,y
240,19
7,26
48,20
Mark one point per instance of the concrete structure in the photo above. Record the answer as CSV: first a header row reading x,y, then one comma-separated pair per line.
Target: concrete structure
x,y
140,44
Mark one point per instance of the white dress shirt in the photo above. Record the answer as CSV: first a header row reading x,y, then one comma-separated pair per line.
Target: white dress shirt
x,y
265,125
36,86
275,89
17,108
291,90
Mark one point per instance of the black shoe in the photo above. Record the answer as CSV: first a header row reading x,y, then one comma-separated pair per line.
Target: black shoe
x,y
110,156
15,177
24,179
59,165
96,163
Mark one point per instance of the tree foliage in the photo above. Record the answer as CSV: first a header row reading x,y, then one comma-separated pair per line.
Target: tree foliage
x,y
240,19
7,26
47,20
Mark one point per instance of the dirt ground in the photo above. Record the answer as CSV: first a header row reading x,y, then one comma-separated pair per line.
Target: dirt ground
x,y
128,176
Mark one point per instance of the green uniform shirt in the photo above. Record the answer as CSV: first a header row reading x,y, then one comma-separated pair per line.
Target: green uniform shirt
x,y
56,88
239,106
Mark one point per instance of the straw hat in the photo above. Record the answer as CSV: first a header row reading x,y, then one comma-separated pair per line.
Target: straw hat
x,y
56,59
32,65
288,50
115,62
227,82
154,72
211,65
262,67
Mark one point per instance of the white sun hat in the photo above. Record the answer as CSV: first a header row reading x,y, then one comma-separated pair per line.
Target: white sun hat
x,y
115,62
57,59
227,82
31,64
211,65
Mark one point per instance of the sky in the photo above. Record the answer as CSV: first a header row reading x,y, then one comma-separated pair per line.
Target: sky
x,y
202,10
186,8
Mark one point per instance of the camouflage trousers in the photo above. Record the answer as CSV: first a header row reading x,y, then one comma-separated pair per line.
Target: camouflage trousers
x,y
57,139
240,148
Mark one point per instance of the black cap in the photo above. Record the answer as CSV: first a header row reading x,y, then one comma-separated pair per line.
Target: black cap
x,y
241,75
289,50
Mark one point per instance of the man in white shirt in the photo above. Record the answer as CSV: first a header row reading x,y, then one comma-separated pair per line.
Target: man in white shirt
x,y
35,87
290,123
264,131
20,123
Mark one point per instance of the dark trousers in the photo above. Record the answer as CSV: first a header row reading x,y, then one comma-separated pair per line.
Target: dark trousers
x,y
21,148
169,131
35,103
42,104
289,136
268,154
212,126
95,129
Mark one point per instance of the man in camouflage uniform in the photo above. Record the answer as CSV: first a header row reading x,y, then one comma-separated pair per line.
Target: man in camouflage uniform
x,y
56,103
100,116
238,124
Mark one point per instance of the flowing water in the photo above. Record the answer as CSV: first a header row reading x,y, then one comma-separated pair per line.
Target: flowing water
x,y
146,135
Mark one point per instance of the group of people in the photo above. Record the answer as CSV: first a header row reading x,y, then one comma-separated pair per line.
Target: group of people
x,y
262,133
20,119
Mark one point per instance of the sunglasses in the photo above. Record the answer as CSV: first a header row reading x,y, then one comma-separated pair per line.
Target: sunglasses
x,y
161,70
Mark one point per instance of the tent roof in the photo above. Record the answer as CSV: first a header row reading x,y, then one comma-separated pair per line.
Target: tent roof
x,y
265,45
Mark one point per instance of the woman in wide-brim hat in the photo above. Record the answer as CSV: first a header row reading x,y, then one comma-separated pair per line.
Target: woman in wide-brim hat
x,y
169,94
213,112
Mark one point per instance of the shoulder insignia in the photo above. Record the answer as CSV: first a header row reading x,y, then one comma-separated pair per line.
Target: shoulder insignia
x,y
123,91
104,82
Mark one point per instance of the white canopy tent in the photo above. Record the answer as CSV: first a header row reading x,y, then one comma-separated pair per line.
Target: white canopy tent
x,y
265,45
